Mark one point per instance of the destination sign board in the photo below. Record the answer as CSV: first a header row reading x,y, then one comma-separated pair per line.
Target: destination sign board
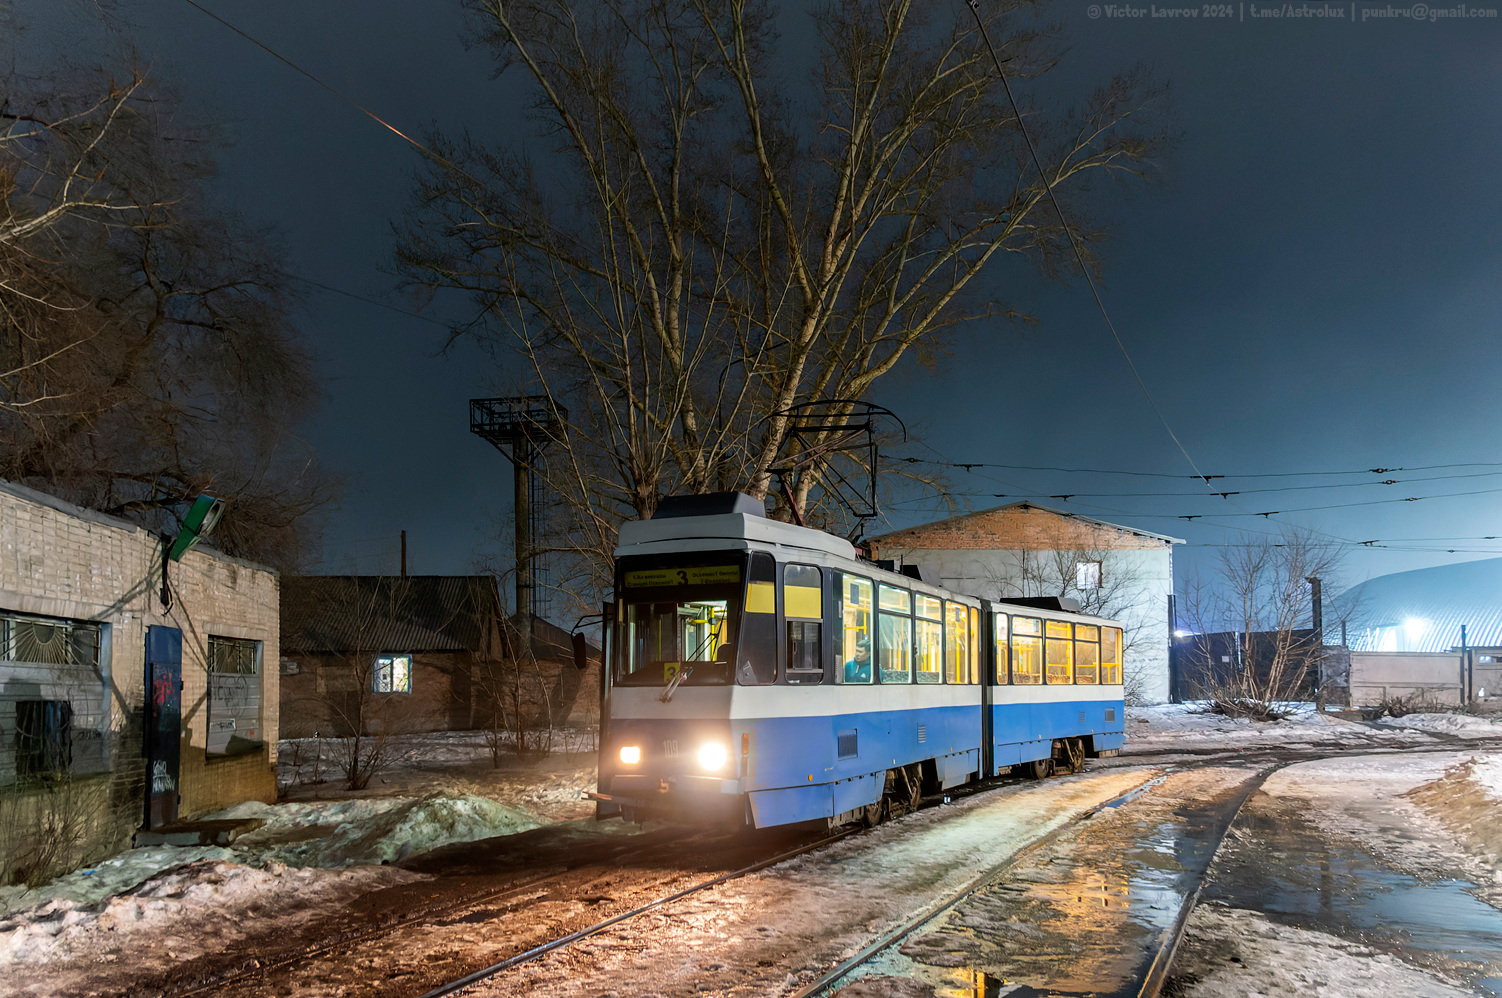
x,y
695,575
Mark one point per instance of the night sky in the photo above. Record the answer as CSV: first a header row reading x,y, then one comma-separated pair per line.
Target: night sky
x,y
1309,285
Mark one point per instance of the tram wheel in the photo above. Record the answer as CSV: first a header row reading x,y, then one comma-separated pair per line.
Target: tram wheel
x,y
1040,769
874,814
1074,751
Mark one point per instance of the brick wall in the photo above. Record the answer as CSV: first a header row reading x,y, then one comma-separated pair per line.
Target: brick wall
x,y
57,560
318,698
1016,528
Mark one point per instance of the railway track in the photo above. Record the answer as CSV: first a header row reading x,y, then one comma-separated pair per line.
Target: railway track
x,y
1153,969
511,899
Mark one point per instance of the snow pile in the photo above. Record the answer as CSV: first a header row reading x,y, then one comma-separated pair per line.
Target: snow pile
x,y
1460,725
386,830
1486,773
194,897
1231,953
183,911
1189,725
113,876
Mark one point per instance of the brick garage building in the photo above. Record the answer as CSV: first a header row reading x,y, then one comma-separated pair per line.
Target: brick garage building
x,y
1023,549
81,742
404,654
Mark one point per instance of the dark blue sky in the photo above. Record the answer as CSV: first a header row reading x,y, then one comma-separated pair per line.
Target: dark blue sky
x,y
1311,284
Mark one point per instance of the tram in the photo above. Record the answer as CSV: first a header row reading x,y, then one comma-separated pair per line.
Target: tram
x,y
764,673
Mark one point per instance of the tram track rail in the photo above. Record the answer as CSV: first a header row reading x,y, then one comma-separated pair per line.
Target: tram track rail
x,y
519,893
897,934
537,951
513,894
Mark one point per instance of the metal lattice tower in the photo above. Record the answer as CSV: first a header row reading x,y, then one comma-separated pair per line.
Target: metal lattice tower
x,y
520,428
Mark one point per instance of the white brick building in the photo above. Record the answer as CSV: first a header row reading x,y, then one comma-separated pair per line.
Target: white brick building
x,y
1028,550
80,601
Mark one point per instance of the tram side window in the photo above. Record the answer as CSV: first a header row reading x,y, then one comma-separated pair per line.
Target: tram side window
x,y
930,634
856,646
756,658
803,608
896,628
1058,651
1027,651
1000,627
1110,655
1086,654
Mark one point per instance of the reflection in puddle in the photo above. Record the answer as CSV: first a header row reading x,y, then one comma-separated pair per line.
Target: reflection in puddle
x,y
1088,920
1292,875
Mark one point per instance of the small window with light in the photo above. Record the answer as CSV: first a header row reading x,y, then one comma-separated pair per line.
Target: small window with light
x,y
393,674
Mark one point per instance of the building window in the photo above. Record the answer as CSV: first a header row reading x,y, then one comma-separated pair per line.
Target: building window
x,y
49,642
393,674
234,696
52,697
44,737
1087,575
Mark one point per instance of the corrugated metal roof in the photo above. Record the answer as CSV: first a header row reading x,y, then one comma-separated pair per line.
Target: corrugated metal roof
x,y
344,613
1427,607
340,614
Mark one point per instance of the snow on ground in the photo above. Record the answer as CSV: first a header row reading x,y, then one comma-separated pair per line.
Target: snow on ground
x,y
1189,727
1459,725
1241,954
761,934
307,858
322,848
175,915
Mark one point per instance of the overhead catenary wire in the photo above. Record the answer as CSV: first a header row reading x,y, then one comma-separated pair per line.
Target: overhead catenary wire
x,y
968,465
1074,245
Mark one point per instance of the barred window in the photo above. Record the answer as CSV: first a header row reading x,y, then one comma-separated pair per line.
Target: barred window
x,y
234,666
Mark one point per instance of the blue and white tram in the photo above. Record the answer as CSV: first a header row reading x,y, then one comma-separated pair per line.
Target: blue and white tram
x,y
762,672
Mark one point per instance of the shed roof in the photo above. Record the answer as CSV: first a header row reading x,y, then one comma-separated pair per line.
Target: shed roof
x,y
997,529
417,613
1442,598
344,613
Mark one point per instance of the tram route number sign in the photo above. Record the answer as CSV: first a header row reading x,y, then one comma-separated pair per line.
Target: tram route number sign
x,y
697,575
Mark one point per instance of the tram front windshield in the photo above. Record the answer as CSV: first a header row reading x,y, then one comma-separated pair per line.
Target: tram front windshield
x,y
679,620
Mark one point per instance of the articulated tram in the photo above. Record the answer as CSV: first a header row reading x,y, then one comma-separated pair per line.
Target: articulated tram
x,y
764,673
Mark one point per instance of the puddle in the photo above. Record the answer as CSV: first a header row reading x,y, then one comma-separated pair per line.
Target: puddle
x,y
1087,920
1293,876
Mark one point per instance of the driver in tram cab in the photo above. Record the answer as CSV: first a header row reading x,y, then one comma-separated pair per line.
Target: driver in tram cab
x,y
858,669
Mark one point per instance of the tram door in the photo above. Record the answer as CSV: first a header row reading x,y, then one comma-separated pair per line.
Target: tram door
x,y
604,767
987,688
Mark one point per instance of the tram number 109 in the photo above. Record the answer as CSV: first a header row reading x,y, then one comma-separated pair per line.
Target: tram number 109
x,y
670,748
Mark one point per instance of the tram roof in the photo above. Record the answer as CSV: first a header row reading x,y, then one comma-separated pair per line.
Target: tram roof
x,y
656,536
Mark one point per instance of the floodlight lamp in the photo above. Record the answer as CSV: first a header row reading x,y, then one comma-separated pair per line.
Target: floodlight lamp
x,y
202,517
1415,628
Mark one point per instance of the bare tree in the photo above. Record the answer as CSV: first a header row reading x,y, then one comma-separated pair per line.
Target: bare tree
x,y
147,351
363,688
708,244
1256,613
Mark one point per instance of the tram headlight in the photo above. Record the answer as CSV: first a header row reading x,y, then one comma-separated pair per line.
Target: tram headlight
x,y
630,754
713,756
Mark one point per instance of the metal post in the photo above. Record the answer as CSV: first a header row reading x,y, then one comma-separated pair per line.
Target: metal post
x,y
1465,676
1317,609
522,505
